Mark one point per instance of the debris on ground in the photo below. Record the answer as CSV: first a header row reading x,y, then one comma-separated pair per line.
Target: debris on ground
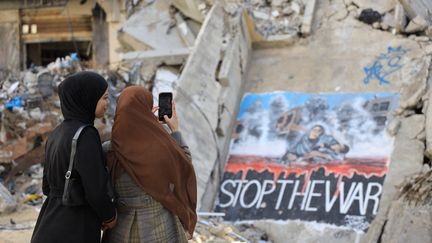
x,y
211,229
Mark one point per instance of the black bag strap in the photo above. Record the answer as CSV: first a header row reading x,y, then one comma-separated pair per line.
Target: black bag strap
x,y
72,155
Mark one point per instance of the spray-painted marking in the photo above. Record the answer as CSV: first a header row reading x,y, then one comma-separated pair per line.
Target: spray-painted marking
x,y
384,65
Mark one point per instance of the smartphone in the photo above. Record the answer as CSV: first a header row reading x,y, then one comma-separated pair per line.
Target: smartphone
x,y
165,105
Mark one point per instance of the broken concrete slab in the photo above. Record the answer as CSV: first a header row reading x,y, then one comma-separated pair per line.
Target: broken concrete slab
x,y
422,39
255,36
428,124
233,83
417,126
184,31
400,19
306,27
158,57
261,15
406,160
428,32
10,39
164,81
245,43
194,26
412,223
393,127
190,8
414,81
297,231
227,62
381,6
8,203
416,25
197,96
389,20
151,28
277,3
428,49
276,41
422,8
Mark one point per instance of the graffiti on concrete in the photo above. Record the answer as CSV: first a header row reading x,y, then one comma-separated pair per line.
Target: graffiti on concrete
x,y
312,157
384,65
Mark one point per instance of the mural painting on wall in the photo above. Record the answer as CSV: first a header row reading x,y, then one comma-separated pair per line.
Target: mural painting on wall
x,y
313,157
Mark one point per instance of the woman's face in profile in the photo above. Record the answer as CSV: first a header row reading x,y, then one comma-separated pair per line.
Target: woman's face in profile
x,y
102,105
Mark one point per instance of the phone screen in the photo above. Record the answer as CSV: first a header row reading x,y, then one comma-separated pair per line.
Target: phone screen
x,y
165,105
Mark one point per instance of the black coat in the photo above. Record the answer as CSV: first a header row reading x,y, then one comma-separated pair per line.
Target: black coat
x,y
58,223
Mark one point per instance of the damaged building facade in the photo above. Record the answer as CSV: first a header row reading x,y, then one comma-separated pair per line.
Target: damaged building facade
x,y
252,80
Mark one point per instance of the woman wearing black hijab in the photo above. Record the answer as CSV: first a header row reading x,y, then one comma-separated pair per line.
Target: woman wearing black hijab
x,y
83,97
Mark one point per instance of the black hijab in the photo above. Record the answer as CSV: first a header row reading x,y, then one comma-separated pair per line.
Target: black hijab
x,y
79,95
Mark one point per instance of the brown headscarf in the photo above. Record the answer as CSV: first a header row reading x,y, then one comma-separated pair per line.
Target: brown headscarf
x,y
151,157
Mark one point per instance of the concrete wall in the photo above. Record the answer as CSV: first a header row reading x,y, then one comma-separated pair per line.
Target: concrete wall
x,y
9,37
334,60
206,106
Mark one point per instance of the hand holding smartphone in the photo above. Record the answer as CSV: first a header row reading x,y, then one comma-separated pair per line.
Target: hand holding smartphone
x,y
167,111
165,105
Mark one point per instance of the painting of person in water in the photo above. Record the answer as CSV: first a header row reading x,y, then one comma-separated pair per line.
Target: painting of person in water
x,y
316,147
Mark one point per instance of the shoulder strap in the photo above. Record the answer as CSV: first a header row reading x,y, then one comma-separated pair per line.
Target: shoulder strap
x,y
73,150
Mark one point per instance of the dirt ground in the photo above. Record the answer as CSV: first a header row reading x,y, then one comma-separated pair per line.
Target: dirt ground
x,y
21,231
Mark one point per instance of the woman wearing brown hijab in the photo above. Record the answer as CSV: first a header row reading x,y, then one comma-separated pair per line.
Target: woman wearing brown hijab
x,y
153,174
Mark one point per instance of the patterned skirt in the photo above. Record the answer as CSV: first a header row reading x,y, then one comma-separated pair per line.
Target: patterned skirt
x,y
140,218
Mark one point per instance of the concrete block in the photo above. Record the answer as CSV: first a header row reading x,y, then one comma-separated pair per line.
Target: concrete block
x,y
414,78
422,8
9,37
411,222
184,31
428,125
389,20
250,23
308,17
151,28
261,15
165,81
417,126
393,127
245,44
416,25
400,19
227,63
157,57
7,201
276,41
190,8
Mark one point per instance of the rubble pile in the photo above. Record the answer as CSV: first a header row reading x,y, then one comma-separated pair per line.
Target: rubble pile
x,y
214,230
277,17
271,18
417,190
402,17
30,110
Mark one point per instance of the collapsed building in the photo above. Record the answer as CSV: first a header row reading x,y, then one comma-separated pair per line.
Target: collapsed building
x,y
250,80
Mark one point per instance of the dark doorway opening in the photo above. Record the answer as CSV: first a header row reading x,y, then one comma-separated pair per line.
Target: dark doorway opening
x,y
41,54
